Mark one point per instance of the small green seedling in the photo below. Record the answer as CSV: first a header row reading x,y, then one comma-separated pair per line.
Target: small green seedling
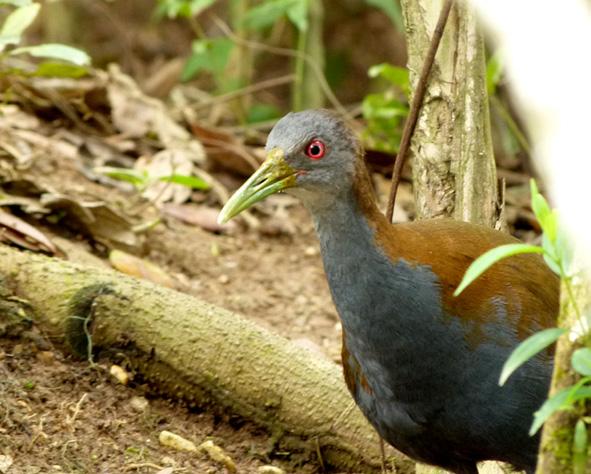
x,y
65,61
557,255
386,111
142,179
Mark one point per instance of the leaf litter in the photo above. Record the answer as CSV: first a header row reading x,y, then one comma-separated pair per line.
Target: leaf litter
x,y
54,133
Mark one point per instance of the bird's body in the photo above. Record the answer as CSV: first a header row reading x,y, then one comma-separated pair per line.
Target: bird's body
x,y
422,365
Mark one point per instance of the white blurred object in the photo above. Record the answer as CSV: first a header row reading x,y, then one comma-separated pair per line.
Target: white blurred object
x,y
546,47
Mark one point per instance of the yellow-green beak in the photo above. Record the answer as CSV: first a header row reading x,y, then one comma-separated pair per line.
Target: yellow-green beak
x,y
273,176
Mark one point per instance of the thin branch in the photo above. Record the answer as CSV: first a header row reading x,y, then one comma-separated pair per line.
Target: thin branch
x,y
323,83
266,84
254,164
415,107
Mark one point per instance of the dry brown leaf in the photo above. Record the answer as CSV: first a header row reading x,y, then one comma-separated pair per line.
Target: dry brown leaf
x,y
163,164
96,218
201,216
16,231
5,462
24,138
225,150
137,115
11,116
135,266
26,204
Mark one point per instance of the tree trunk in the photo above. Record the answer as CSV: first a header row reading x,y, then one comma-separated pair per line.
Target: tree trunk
x,y
198,352
453,164
556,451
452,158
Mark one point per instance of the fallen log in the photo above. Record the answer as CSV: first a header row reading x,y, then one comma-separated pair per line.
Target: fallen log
x,y
203,354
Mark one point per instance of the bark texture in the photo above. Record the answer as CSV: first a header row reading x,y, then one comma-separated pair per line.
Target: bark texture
x,y
452,158
201,353
556,451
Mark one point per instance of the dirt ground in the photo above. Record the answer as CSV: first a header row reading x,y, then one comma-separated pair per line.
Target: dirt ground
x,y
59,415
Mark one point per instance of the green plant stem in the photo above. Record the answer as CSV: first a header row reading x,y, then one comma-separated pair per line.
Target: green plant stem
x,y
556,451
58,20
197,28
305,93
297,98
571,295
314,67
566,280
241,64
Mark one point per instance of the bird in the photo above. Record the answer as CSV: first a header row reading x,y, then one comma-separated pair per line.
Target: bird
x,y
422,365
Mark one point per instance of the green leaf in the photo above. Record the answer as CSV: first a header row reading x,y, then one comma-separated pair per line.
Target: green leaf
x,y
398,76
19,20
392,9
551,405
6,40
298,15
182,8
494,71
197,6
384,116
486,260
564,251
561,400
528,349
580,441
138,178
575,390
380,106
544,214
557,251
262,113
16,3
54,69
56,51
550,260
581,361
184,180
551,256
267,13
208,55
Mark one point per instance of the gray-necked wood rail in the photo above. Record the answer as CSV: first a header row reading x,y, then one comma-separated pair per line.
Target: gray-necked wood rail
x,y
422,365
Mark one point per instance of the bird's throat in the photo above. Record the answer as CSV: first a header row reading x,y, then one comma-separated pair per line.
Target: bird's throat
x,y
348,228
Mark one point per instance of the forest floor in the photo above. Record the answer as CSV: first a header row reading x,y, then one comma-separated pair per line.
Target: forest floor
x,y
61,415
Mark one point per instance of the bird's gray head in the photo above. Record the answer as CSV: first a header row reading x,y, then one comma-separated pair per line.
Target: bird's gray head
x,y
312,155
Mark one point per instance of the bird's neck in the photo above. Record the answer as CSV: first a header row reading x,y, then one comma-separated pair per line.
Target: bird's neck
x,y
352,206
348,226
388,305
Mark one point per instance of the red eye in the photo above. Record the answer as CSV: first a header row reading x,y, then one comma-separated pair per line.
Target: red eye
x,y
315,149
